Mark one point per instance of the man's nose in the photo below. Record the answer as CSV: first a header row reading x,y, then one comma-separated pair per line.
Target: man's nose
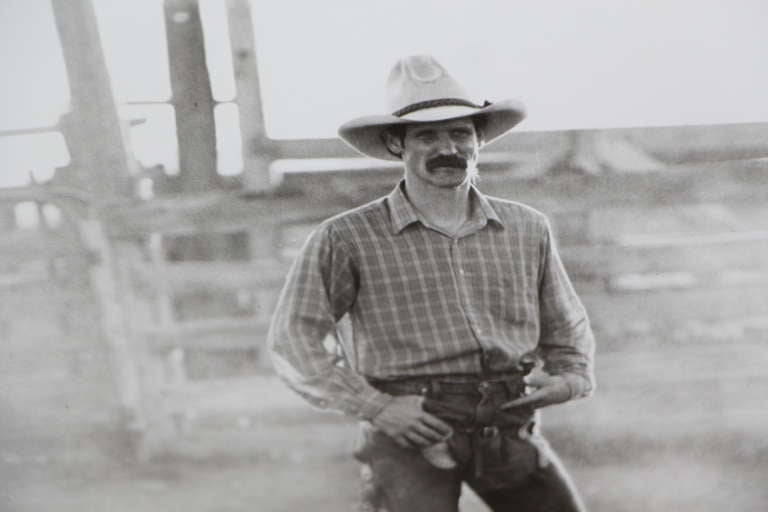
x,y
447,146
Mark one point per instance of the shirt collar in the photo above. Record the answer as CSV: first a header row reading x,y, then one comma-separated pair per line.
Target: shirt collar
x,y
402,213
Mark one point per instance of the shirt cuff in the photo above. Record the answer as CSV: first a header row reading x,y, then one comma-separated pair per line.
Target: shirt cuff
x,y
579,385
370,404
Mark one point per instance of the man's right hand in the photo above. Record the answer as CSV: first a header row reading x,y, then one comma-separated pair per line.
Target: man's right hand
x,y
404,420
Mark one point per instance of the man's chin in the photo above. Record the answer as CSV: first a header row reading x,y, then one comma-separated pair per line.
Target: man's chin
x,y
448,173
451,180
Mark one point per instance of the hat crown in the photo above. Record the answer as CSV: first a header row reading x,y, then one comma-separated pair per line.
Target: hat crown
x,y
420,78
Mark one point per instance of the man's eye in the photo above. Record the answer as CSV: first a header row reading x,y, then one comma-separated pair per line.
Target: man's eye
x,y
426,137
461,134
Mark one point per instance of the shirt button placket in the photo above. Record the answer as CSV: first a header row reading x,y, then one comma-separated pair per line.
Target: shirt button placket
x,y
465,299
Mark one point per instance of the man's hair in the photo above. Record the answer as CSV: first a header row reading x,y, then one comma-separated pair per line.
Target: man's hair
x,y
397,132
479,123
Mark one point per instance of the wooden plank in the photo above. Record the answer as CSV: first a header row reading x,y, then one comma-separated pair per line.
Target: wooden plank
x,y
28,131
206,364
696,254
192,97
27,273
673,144
157,373
256,173
259,395
255,274
217,342
734,182
113,312
209,303
685,280
21,243
375,177
660,310
741,361
659,224
168,279
42,193
208,326
694,332
212,334
156,278
676,144
226,211
103,166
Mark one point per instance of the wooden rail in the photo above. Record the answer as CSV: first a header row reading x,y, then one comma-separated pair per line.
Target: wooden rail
x,y
221,334
299,199
699,254
701,277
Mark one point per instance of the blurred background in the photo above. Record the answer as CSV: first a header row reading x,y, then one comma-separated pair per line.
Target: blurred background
x,y
161,162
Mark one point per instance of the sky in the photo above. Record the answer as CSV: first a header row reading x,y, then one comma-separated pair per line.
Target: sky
x,y
585,64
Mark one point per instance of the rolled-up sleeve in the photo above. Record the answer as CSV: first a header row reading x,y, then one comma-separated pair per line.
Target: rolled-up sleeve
x,y
320,288
566,342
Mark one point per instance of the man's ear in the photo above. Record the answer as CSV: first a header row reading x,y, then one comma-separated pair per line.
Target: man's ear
x,y
393,142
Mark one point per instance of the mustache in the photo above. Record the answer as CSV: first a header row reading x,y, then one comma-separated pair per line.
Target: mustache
x,y
446,161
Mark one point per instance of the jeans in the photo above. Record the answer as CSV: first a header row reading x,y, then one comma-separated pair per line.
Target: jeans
x,y
500,454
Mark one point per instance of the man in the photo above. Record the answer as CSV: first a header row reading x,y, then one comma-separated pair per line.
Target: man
x,y
453,296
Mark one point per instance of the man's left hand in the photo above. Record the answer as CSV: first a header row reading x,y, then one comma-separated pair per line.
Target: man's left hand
x,y
545,389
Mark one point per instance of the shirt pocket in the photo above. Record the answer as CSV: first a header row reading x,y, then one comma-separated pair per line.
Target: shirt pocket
x,y
520,297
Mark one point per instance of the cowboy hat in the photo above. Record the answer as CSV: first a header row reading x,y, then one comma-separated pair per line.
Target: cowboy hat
x,y
420,90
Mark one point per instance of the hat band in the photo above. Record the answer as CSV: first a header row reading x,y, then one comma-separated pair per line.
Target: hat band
x,y
442,102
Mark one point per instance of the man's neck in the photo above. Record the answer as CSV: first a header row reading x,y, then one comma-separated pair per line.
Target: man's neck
x,y
445,208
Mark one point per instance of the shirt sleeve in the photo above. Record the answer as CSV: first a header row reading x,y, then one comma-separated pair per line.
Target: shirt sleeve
x,y
320,288
566,342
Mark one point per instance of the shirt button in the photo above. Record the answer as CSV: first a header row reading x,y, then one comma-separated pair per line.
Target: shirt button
x,y
461,271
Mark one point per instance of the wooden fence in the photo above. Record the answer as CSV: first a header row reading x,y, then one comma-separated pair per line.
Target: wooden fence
x,y
674,258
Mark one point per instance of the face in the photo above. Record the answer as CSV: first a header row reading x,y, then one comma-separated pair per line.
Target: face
x,y
442,154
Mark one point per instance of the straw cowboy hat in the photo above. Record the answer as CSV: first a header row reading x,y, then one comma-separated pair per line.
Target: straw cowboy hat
x,y
420,90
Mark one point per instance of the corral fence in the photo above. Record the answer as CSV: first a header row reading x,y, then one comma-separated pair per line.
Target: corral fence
x,y
668,263
672,265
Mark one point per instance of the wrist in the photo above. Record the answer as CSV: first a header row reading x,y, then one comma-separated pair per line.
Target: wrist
x,y
373,406
578,385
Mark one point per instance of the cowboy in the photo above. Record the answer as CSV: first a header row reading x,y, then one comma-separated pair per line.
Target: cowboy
x,y
464,320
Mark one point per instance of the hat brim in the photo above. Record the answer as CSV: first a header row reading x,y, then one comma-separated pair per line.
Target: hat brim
x,y
364,133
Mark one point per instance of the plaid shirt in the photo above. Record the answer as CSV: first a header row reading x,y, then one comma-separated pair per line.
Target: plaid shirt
x,y
425,303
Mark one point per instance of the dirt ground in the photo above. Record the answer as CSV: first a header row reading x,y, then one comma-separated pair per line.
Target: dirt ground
x,y
676,446
698,483
307,466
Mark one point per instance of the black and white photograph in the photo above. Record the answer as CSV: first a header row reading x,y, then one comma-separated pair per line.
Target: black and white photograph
x,y
391,256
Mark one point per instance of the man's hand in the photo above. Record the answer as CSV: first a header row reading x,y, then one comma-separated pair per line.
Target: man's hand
x,y
546,390
404,420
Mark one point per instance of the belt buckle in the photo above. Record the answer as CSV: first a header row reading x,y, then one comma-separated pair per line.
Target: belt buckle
x,y
489,431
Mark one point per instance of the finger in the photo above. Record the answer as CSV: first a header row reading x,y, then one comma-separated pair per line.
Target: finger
x,y
402,441
435,423
430,433
418,440
524,400
537,380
